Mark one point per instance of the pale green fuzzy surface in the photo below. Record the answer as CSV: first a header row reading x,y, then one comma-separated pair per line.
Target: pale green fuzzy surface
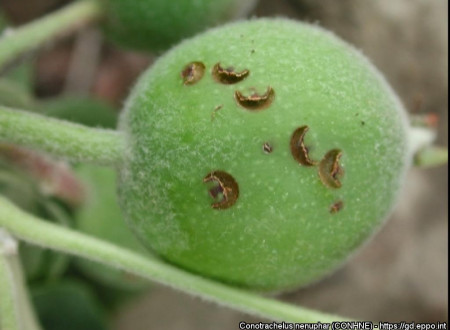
x,y
280,233
158,24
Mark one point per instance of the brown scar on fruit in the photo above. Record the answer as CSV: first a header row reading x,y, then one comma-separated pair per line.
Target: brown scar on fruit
x,y
192,73
226,185
228,76
336,206
330,172
213,113
255,101
298,148
267,148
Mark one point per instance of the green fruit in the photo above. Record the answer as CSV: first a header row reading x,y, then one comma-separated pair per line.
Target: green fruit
x,y
158,24
100,216
261,154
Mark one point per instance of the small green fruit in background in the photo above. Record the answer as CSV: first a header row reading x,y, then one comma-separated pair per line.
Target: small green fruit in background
x,y
157,24
261,154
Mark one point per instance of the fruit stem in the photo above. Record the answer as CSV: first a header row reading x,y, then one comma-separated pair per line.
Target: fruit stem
x,y
424,153
68,140
431,156
15,42
37,231
16,312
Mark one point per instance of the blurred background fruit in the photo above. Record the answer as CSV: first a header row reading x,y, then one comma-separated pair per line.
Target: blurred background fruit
x,y
158,24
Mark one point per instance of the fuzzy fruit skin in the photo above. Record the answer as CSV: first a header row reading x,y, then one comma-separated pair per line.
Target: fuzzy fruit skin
x,y
280,233
152,25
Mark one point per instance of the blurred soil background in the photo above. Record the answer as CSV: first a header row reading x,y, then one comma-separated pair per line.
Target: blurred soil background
x,y
402,273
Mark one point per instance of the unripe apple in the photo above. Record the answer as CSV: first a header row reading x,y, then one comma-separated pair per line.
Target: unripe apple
x,y
261,153
157,24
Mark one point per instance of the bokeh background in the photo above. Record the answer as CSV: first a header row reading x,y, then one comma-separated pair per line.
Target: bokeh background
x,y
402,273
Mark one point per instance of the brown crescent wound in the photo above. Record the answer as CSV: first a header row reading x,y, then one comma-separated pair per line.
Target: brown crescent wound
x,y
330,171
192,73
226,185
298,148
255,101
228,76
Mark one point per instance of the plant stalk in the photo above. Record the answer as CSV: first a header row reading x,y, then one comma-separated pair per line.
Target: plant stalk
x,y
16,42
424,153
64,139
46,234
16,312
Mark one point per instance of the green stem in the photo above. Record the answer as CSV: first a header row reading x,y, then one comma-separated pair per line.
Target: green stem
x,y
61,138
50,27
431,156
424,153
37,231
16,312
